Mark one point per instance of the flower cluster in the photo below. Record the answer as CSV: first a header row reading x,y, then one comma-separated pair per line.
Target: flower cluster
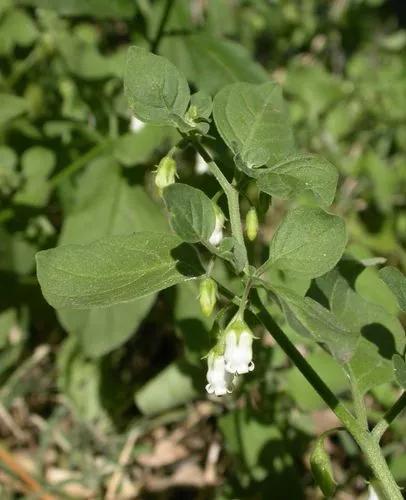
x,y
232,356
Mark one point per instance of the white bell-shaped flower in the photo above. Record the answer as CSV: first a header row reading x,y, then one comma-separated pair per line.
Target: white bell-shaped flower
x,y
238,347
217,234
219,380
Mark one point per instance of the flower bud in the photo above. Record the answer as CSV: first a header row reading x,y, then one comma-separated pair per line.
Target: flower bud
x,y
208,295
321,468
251,224
217,234
219,380
238,347
165,173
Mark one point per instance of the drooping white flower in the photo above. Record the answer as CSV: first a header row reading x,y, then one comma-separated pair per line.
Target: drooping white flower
x,y
238,347
219,380
201,166
136,125
217,234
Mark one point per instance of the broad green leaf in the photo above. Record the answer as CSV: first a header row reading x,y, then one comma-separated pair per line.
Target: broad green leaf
x,y
11,106
396,281
253,121
105,204
309,241
172,387
301,174
86,61
80,379
191,212
135,149
154,87
101,330
37,164
399,365
114,269
94,8
381,332
307,317
16,28
211,62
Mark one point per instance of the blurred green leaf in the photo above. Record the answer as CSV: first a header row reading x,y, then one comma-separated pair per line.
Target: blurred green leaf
x,y
172,387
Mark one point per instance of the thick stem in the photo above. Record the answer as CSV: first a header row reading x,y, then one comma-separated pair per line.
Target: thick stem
x,y
373,453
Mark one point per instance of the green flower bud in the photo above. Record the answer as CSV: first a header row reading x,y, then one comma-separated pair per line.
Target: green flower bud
x,y
251,224
208,295
165,173
321,468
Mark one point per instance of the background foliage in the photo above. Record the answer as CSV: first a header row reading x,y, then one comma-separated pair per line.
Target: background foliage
x,y
110,402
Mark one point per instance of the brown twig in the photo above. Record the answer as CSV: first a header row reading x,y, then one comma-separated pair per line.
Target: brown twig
x,y
8,460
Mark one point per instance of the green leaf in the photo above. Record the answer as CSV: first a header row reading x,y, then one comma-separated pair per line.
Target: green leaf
x,y
101,330
17,28
135,149
192,214
94,8
309,241
300,174
399,365
381,332
211,62
253,122
105,204
114,269
396,281
155,89
11,106
37,164
172,387
307,317
321,468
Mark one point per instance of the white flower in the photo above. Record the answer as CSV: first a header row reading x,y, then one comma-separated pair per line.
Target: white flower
x,y
165,173
201,166
219,380
217,234
136,125
372,494
238,350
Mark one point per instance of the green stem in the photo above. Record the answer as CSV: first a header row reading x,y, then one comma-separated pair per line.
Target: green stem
x,y
155,42
79,163
232,200
389,417
365,440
